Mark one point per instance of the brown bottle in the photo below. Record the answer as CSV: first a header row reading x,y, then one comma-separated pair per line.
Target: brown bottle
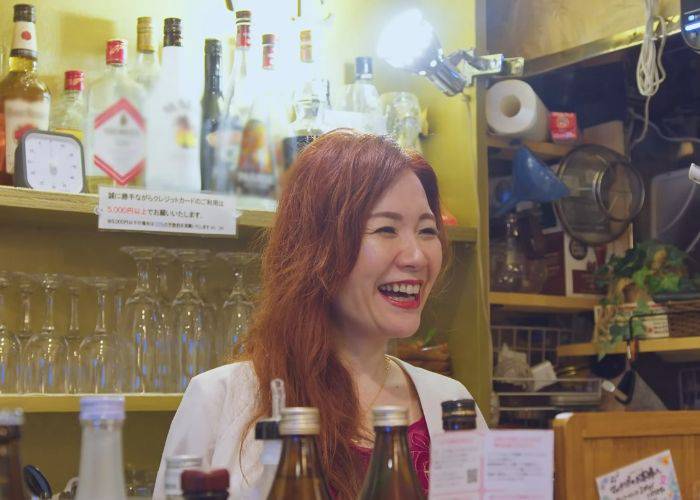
x,y
459,415
24,99
204,485
11,484
391,475
299,474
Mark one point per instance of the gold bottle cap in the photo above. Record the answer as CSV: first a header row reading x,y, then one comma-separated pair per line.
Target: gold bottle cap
x,y
305,35
300,421
268,39
389,416
243,15
144,32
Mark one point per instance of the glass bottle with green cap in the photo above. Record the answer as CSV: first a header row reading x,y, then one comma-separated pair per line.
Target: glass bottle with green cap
x,y
299,475
391,475
11,484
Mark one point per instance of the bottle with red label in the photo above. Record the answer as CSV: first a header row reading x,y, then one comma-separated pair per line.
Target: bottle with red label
x,y
69,110
116,129
25,100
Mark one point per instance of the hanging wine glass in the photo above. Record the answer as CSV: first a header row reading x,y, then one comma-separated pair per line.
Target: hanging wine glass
x,y
119,287
73,336
46,352
10,355
168,363
211,314
194,345
26,283
236,310
102,354
140,325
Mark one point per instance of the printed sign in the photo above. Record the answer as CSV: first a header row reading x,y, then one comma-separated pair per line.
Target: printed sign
x,y
651,478
129,209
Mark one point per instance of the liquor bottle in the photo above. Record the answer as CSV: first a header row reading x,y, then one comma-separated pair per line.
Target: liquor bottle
x,y
267,431
25,100
458,415
173,115
69,110
362,97
260,157
205,485
391,474
11,483
212,103
511,276
238,100
116,126
174,467
299,474
101,467
147,69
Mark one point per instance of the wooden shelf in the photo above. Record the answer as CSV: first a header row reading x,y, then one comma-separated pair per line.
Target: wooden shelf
x,y
66,403
679,349
30,207
529,302
504,148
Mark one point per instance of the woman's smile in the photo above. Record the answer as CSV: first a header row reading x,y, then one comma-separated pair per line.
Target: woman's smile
x,y
404,294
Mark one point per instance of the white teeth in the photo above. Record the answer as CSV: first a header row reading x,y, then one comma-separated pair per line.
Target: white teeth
x,y
396,287
402,287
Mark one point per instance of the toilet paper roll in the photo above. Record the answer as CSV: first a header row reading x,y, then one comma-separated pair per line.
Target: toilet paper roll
x,y
514,110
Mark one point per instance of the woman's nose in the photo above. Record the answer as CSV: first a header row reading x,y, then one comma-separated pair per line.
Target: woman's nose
x,y
411,254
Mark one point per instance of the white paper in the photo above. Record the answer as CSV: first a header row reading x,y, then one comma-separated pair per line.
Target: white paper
x,y
651,478
456,465
128,209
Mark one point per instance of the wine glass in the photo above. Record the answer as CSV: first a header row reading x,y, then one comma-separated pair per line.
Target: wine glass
x,y
118,287
73,337
140,325
46,352
102,354
10,354
237,309
194,345
26,283
210,310
168,363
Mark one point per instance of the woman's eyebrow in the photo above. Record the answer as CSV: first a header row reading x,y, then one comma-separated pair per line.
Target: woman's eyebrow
x,y
397,216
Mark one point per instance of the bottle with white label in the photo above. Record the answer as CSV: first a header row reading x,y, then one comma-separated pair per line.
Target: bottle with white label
x,y
25,100
173,114
116,131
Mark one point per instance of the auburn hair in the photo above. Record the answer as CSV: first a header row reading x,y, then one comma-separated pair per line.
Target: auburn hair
x,y
312,248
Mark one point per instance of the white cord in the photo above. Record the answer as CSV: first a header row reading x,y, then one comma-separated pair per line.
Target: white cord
x,y
656,128
650,71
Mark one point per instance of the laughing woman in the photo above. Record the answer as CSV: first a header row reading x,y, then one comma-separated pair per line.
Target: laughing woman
x,y
356,249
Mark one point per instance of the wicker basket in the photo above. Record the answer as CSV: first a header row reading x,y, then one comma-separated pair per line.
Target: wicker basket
x,y
686,324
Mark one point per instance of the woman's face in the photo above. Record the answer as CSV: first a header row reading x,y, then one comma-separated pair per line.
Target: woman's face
x,y
399,260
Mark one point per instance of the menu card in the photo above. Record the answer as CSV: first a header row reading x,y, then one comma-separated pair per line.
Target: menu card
x,y
651,478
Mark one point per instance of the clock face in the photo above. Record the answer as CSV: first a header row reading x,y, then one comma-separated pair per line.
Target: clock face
x,y
53,163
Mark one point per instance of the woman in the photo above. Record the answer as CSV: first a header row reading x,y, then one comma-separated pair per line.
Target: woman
x,y
357,247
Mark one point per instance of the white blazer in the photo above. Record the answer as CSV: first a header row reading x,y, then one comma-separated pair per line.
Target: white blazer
x,y
218,404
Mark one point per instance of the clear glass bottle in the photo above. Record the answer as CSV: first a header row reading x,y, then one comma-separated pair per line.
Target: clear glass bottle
x,y
147,68
11,483
174,466
311,97
25,100
299,474
116,131
238,101
362,97
511,274
174,117
101,465
212,104
391,475
69,110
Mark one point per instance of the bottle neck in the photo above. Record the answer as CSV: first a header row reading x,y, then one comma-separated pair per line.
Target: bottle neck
x,y
171,59
212,73
11,486
101,466
300,459
23,55
391,470
116,69
147,59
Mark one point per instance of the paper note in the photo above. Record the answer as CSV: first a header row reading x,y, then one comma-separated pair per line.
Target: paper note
x,y
129,209
651,478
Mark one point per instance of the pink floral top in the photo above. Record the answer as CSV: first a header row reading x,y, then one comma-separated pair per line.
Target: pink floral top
x,y
418,446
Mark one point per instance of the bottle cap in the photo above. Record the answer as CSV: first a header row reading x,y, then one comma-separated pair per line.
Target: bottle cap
x,y
305,35
24,12
116,51
183,461
363,67
144,24
199,481
212,45
300,421
172,32
267,429
102,408
459,407
268,39
389,416
144,32
242,16
74,80
11,416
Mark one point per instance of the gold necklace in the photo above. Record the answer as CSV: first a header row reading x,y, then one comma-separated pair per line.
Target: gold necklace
x,y
387,366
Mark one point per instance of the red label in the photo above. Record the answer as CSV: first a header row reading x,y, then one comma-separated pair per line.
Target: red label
x,y
243,36
26,35
563,126
116,51
75,80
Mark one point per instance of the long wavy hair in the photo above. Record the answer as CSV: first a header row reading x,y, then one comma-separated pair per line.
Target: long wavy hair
x,y
312,248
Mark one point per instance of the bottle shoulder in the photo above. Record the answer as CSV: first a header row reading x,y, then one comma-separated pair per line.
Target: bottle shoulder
x,y
25,84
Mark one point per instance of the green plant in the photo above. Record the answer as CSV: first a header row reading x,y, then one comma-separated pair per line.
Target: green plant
x,y
647,269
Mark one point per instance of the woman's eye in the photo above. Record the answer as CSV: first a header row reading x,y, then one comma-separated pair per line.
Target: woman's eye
x,y
429,230
386,230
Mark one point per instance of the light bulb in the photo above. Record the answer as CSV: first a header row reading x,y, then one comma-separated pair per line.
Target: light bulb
x,y
405,39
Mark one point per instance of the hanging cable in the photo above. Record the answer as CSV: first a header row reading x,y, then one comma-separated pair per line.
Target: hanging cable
x,y
650,70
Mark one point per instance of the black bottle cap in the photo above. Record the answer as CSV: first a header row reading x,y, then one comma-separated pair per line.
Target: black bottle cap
x,y
212,45
24,12
267,429
363,66
459,406
172,32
